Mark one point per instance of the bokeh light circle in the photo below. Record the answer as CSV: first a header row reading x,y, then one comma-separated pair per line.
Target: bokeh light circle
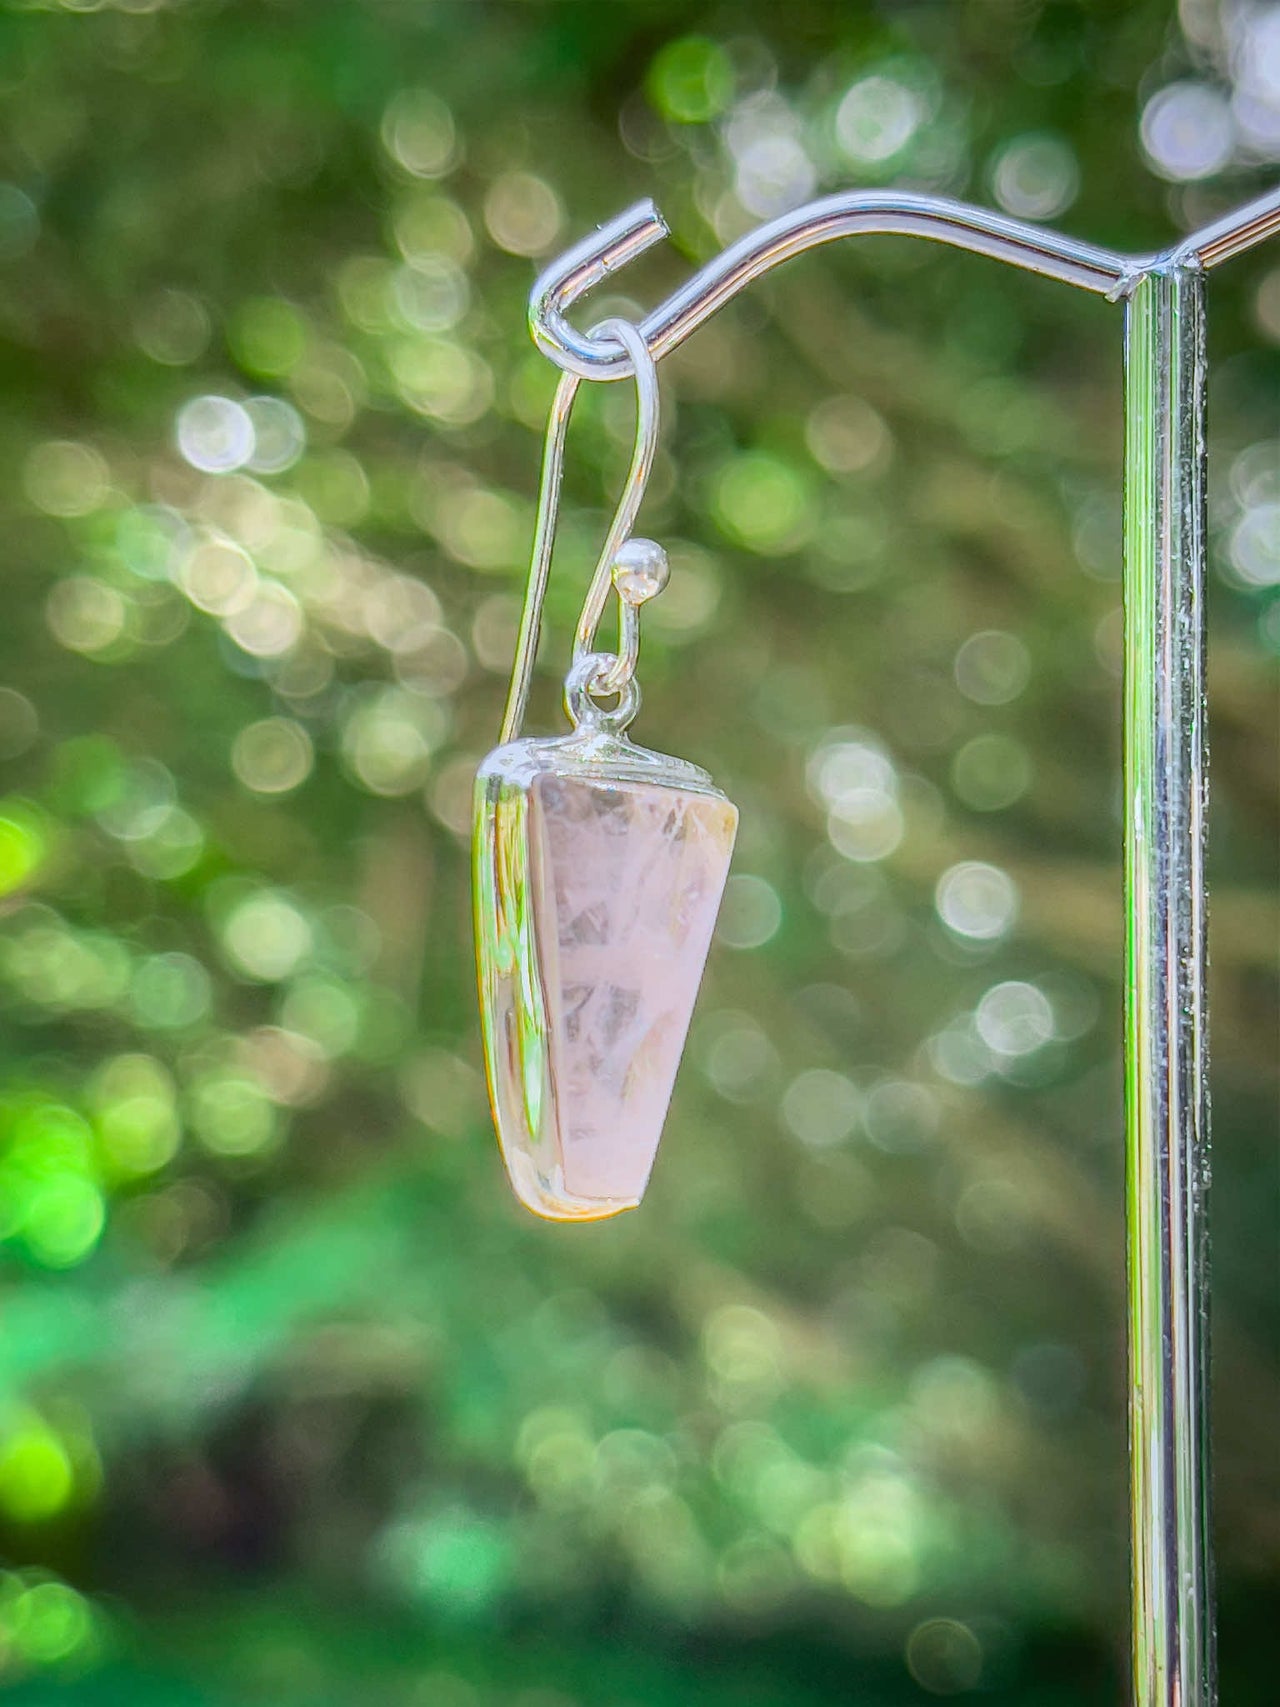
x,y
1187,131
977,900
215,434
273,756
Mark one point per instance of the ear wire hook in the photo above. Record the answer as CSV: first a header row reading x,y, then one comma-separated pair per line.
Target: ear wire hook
x,y
646,445
646,448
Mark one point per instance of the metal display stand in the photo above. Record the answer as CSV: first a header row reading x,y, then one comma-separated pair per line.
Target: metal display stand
x,y
1166,1061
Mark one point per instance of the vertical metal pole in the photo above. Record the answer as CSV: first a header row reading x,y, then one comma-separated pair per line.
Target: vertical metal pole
x,y
1166,1060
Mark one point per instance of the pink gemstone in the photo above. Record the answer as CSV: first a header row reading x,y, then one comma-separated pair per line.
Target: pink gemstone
x,y
627,885
619,891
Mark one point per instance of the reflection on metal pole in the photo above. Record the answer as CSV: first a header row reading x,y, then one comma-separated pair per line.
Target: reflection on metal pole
x,y
1166,1064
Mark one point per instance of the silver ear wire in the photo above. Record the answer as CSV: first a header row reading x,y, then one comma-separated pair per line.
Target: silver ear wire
x,y
646,448
544,534
633,490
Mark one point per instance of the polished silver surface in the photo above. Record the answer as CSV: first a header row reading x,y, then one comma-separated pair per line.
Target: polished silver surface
x,y
854,213
644,372
642,367
858,212
1164,743
1166,1019
544,537
1234,233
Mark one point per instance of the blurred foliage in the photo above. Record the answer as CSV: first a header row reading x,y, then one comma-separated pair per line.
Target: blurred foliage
x,y
297,1407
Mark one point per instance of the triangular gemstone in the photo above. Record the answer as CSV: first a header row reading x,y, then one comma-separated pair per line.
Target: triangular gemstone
x,y
627,880
596,899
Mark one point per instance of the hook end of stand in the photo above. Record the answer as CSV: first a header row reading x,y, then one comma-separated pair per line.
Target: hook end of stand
x,y
604,252
630,234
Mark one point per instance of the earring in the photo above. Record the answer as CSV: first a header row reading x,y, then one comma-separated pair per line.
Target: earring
x,y
598,872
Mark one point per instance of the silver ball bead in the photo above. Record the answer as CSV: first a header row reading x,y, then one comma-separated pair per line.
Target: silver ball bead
x,y
640,570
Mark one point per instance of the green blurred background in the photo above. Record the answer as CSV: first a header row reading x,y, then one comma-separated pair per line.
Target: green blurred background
x,y
297,1407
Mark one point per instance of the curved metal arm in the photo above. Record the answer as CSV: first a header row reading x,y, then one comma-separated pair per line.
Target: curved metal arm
x,y
882,212
857,212
1230,236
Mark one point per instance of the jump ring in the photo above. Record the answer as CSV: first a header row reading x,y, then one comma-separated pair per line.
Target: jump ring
x,y
589,674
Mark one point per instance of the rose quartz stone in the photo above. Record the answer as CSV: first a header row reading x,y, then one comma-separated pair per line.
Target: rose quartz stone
x,y
625,881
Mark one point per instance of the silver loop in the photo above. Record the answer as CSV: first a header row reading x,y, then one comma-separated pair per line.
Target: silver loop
x,y
589,675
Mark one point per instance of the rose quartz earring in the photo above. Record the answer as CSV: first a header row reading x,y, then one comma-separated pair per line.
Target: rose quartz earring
x,y
599,868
